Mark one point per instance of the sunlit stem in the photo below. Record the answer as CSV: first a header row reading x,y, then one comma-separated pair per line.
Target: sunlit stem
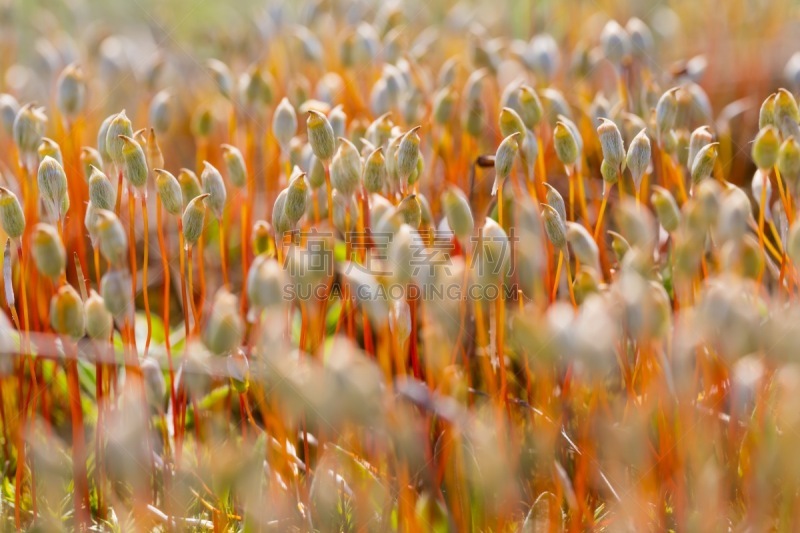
x,y
329,191
571,179
201,269
184,296
165,307
190,287
558,274
223,253
145,286
132,246
599,225
500,202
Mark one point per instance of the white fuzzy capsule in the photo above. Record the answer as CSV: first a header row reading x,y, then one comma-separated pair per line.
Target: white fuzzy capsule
x,y
320,136
90,221
338,120
265,283
554,227
114,144
49,147
379,98
316,174
530,107
102,138
284,123
766,146
280,222
169,191
346,168
214,186
666,208
641,38
66,313
71,91
190,185
700,137
543,55
458,213
492,254
583,245
408,154
443,104
529,152
115,288
48,251
90,157
224,328
379,131
28,129
410,211
133,163
510,122
194,219
99,321
636,224
296,198
611,143
12,218
111,237
222,76
565,144
504,159
610,173
52,182
638,157
234,165
554,199
615,42
9,107
704,161
160,111
375,171
666,111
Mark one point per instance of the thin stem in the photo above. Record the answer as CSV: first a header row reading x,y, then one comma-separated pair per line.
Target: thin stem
x,y
23,265
132,247
571,179
761,208
558,275
223,254
190,288
500,320
201,269
145,286
96,255
500,202
118,203
82,508
244,258
598,226
181,247
785,198
329,191
165,305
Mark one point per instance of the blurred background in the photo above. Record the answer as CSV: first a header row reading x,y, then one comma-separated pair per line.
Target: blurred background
x,y
737,50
